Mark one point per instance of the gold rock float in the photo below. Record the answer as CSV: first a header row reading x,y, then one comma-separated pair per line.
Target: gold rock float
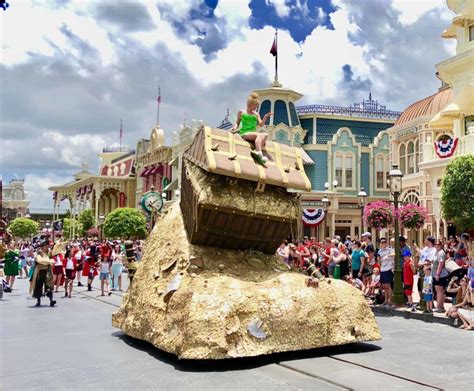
x,y
209,285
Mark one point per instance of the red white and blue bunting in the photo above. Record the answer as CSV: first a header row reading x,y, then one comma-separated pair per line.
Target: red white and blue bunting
x,y
313,217
445,148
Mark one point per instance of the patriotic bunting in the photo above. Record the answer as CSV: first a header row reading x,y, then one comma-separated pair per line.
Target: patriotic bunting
x,y
445,148
313,217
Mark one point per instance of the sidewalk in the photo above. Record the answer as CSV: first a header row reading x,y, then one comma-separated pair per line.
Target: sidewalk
x,y
418,315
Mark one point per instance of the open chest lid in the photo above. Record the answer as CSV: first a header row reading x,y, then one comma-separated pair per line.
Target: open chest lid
x,y
222,152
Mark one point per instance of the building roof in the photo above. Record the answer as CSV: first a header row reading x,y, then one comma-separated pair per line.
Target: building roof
x,y
364,132
429,106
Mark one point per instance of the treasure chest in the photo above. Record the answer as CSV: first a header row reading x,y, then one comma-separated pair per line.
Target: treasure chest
x,y
222,152
230,201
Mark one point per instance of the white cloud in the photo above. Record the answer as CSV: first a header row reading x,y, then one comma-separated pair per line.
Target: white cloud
x,y
36,187
281,8
411,10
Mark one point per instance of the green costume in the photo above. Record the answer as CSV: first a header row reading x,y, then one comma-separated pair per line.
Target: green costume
x,y
249,123
11,262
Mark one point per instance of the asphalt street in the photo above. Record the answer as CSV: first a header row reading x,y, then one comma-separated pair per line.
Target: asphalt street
x,y
74,346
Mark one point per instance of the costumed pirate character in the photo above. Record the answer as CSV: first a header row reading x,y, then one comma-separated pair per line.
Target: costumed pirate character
x,y
43,275
249,119
91,264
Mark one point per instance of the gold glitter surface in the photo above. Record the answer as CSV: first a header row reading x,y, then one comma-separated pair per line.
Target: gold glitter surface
x,y
218,306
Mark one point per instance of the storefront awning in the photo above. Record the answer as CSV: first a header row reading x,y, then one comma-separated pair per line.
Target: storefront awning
x,y
172,186
146,171
174,162
156,170
307,161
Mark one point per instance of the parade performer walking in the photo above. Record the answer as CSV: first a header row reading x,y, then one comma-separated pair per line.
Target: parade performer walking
x,y
250,118
43,276
12,257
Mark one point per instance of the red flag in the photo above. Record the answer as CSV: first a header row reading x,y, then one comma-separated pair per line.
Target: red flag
x,y
273,50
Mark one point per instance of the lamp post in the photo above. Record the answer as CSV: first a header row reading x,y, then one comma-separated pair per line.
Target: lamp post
x,y
362,195
325,200
101,222
395,181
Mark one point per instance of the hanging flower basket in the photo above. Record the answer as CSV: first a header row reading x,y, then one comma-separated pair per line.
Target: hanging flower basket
x,y
412,216
379,214
92,232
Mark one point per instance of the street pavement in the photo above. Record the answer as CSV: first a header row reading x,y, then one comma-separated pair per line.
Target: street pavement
x,y
74,346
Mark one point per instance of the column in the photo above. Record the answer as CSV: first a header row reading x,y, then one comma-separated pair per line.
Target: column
x,y
106,205
113,201
96,206
445,230
101,205
438,226
333,224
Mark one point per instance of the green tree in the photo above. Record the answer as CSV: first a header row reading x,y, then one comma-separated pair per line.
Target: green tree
x,y
23,228
124,222
457,191
68,228
87,220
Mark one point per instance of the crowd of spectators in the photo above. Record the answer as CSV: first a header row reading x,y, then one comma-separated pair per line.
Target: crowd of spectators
x,y
67,264
442,269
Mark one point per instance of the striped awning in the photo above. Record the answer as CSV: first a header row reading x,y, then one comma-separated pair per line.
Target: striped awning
x,y
146,171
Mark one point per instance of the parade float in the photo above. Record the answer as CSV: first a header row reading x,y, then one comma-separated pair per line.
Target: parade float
x,y
209,285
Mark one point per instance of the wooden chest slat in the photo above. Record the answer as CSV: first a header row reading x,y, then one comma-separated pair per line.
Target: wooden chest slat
x,y
228,226
221,152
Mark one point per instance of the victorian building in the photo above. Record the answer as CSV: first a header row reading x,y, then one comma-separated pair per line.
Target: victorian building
x,y
113,186
344,150
14,202
153,165
433,131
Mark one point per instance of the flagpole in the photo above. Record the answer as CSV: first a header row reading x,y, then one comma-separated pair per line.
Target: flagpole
x,y
276,57
121,134
158,111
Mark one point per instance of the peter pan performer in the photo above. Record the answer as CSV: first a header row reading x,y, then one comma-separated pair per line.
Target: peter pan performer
x,y
250,118
43,275
12,256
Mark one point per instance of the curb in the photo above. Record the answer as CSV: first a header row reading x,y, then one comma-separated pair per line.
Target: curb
x,y
428,318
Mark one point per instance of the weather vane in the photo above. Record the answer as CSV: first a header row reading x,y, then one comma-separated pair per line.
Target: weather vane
x,y
4,4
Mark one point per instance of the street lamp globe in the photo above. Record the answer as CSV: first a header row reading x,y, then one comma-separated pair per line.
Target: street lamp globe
x,y
101,219
335,183
325,201
326,185
163,195
362,196
395,178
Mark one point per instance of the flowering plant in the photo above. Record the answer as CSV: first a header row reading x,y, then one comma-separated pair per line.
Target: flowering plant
x,y
92,232
412,216
379,214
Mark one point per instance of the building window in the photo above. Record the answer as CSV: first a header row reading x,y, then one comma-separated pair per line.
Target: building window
x,y
281,113
265,107
294,117
402,157
381,172
471,32
338,173
411,158
417,155
344,170
349,170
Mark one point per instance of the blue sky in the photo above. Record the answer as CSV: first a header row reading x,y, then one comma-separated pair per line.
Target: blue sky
x,y
81,66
